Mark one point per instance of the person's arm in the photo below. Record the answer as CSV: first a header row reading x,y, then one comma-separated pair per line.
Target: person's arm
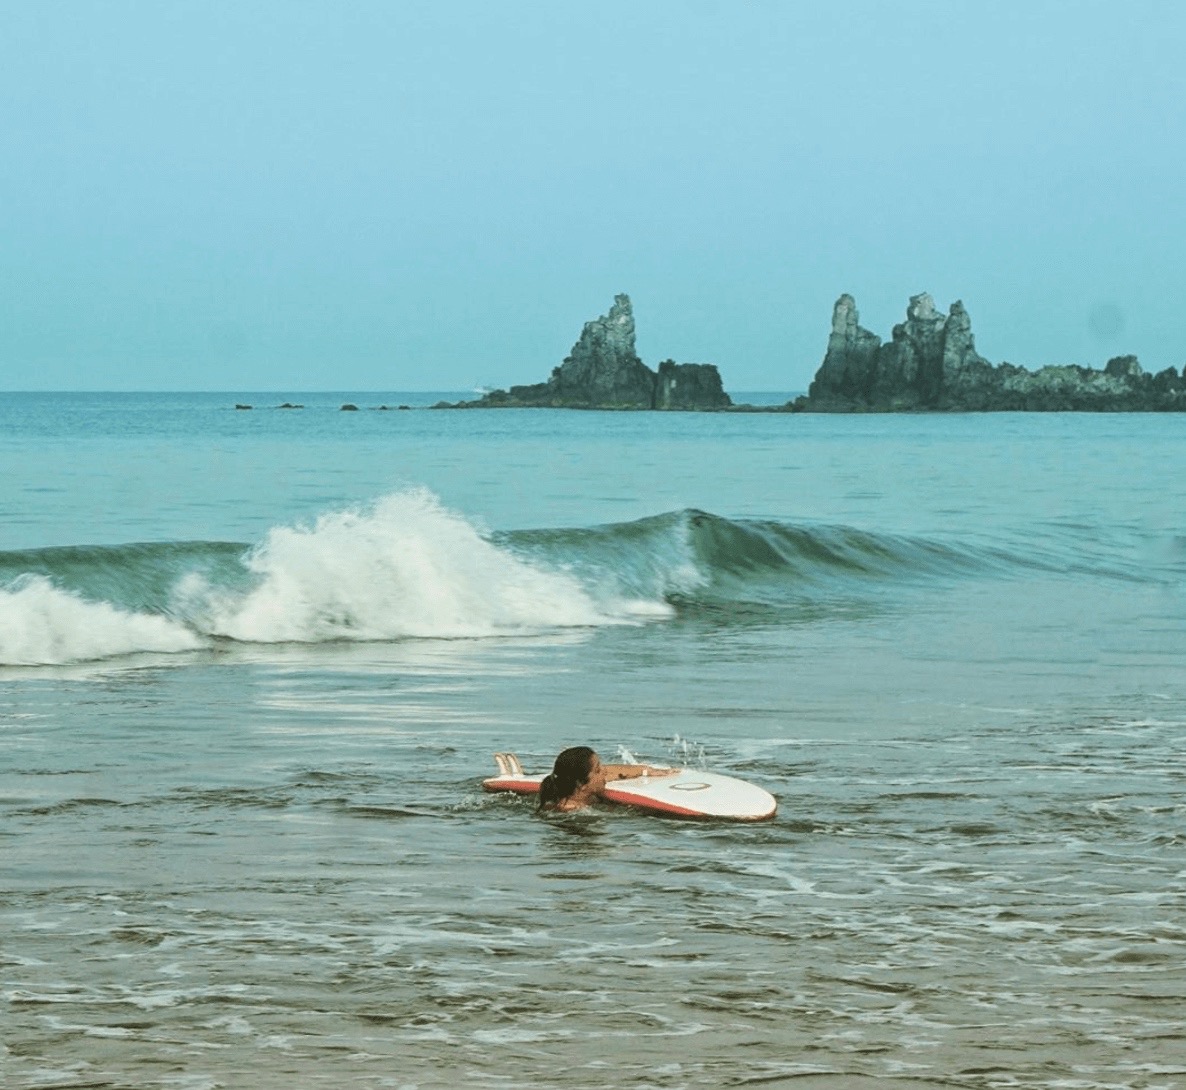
x,y
632,772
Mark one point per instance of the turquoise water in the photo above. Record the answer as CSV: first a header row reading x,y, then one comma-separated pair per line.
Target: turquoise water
x,y
253,666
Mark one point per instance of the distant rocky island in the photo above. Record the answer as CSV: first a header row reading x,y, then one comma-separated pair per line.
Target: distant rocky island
x,y
930,364
603,371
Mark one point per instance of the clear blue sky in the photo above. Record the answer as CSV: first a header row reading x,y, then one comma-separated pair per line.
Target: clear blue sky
x,y
326,194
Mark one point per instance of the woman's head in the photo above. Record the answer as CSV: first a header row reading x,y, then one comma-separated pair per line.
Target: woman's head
x,y
572,770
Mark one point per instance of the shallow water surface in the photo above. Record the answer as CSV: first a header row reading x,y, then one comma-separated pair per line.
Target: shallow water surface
x,y
244,729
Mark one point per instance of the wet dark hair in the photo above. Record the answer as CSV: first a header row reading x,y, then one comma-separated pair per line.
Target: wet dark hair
x,y
571,770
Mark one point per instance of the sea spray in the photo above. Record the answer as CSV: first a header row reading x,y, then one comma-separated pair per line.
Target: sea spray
x,y
43,625
406,567
402,567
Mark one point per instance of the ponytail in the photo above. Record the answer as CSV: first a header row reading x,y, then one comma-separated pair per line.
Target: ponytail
x,y
549,793
570,771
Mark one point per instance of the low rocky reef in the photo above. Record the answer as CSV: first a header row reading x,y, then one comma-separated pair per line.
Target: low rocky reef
x,y
603,371
931,364
348,407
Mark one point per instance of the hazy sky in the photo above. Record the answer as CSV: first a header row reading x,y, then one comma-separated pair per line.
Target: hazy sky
x,y
327,194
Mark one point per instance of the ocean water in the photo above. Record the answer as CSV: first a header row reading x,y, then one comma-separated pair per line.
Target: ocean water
x,y
253,666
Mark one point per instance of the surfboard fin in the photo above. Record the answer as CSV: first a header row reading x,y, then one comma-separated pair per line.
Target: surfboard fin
x,y
509,764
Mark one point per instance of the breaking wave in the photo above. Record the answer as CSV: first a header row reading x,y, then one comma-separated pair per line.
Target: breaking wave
x,y
405,567
401,568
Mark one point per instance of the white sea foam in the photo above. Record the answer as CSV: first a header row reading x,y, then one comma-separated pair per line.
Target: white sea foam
x,y
402,567
41,624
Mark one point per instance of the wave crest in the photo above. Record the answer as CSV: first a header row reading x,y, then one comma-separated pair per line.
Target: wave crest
x,y
407,567
41,624
404,567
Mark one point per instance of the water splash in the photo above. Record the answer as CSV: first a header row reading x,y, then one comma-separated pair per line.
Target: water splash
x,y
406,567
41,624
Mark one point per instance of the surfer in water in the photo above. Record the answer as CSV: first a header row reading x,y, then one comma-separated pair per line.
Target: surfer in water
x,y
578,777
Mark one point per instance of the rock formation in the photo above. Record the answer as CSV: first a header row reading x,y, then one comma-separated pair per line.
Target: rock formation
x,y
931,363
603,371
689,386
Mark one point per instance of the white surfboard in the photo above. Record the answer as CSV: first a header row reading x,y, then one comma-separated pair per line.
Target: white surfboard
x,y
688,793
